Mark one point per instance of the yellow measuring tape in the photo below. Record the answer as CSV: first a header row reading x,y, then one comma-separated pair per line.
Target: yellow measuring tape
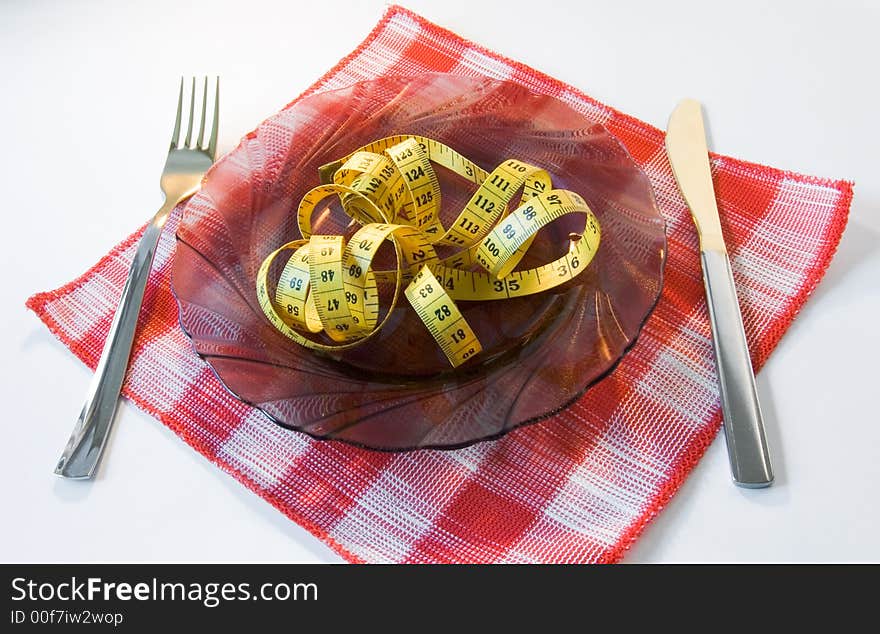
x,y
328,285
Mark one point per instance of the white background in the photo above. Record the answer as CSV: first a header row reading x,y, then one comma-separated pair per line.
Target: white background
x,y
87,99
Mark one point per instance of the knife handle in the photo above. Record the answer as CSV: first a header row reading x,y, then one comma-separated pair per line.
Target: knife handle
x,y
743,423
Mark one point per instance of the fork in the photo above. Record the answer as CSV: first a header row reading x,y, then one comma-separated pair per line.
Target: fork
x,y
184,168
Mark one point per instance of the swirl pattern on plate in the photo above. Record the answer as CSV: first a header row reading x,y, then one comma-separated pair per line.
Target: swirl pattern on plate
x,y
398,392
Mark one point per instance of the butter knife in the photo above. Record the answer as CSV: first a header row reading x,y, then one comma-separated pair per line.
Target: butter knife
x,y
743,422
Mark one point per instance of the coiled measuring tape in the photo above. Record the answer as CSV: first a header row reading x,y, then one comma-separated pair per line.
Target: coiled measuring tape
x,y
389,187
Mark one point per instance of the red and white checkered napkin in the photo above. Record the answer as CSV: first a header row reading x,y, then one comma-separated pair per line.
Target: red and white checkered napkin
x,y
579,487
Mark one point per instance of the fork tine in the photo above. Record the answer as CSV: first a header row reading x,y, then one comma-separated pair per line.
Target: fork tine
x,y
176,134
192,103
212,144
204,106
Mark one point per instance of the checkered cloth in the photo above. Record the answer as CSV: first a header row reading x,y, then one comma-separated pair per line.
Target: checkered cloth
x,y
579,487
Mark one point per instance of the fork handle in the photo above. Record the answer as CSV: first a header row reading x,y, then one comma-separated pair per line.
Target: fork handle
x,y
86,445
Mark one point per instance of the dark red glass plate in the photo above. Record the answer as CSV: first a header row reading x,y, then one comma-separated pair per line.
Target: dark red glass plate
x,y
398,391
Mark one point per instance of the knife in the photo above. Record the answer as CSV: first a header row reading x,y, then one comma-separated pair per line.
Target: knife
x,y
743,423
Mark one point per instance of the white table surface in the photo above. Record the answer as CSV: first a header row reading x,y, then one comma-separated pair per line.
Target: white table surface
x,y
788,84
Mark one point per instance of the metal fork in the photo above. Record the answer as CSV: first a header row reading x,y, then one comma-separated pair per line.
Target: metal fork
x,y
184,168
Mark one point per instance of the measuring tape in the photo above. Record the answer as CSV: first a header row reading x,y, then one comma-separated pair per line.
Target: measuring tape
x,y
326,297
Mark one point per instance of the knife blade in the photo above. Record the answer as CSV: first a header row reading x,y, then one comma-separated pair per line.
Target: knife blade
x,y
743,422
